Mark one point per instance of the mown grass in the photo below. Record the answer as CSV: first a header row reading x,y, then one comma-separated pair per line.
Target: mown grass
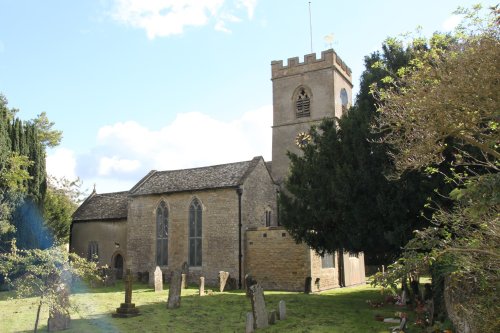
x,y
335,311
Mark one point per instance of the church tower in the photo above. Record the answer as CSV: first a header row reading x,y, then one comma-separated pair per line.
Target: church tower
x,y
303,95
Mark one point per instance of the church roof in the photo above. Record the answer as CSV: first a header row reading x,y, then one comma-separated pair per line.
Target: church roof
x,y
215,176
106,206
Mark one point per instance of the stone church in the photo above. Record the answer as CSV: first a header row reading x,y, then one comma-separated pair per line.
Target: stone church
x,y
225,217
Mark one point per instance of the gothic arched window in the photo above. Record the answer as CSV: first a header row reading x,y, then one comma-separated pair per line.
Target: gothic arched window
x,y
195,234
302,100
344,99
162,234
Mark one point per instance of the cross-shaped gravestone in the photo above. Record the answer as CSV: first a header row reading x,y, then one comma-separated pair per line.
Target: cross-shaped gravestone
x,y
128,308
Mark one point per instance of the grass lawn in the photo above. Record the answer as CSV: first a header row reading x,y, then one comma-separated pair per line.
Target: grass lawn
x,y
339,310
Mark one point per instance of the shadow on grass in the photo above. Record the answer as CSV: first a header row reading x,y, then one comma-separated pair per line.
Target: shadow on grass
x,y
344,310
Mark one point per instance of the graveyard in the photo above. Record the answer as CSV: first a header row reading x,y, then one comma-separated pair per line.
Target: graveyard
x,y
338,310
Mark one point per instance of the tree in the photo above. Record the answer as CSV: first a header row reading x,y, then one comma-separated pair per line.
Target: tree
x,y
337,195
41,273
60,203
46,135
445,109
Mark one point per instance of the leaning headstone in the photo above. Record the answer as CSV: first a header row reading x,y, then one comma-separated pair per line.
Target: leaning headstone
x,y
307,285
282,310
223,276
174,293
183,281
202,286
249,281
59,318
127,309
258,307
249,323
158,276
272,317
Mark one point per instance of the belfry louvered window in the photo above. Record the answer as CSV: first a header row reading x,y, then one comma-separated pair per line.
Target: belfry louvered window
x,y
303,104
195,233
162,234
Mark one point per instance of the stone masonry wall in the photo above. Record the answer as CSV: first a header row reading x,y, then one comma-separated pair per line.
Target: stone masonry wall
x,y
323,278
219,230
107,234
275,260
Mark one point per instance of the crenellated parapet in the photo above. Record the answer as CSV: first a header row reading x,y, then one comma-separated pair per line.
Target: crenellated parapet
x,y
329,58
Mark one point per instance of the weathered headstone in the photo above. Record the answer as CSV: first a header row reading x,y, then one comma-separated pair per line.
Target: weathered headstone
x,y
307,285
223,276
282,310
249,323
183,281
109,277
272,317
158,276
174,293
59,318
249,281
202,286
128,308
185,274
258,307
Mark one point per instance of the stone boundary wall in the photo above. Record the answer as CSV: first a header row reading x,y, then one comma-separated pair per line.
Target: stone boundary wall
x,y
275,260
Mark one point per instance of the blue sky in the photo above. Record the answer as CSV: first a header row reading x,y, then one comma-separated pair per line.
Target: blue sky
x,y
137,85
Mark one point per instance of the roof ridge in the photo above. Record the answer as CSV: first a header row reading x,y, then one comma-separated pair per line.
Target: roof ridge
x,y
253,163
140,182
204,167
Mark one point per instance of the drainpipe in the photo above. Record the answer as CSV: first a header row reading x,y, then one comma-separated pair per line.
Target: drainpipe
x,y
239,191
278,222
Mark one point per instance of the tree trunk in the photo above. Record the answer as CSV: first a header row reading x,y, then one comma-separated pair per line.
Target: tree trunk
x,y
38,314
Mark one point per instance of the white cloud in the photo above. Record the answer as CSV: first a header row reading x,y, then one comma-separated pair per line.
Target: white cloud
x,y
249,5
108,165
160,18
127,151
61,163
451,22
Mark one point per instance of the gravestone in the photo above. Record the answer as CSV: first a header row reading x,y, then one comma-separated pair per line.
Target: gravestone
x,y
258,307
282,310
59,318
307,285
223,276
185,274
250,323
174,293
127,309
272,317
202,286
249,281
183,281
109,277
158,279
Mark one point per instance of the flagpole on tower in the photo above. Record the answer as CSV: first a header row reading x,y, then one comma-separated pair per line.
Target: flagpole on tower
x,y
310,27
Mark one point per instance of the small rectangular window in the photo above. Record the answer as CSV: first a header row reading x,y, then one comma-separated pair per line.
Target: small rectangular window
x,y
93,251
327,261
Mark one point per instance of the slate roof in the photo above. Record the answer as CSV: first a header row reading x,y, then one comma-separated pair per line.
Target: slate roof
x,y
105,206
215,176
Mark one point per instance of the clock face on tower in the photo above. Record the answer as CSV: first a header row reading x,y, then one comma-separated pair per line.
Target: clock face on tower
x,y
302,139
